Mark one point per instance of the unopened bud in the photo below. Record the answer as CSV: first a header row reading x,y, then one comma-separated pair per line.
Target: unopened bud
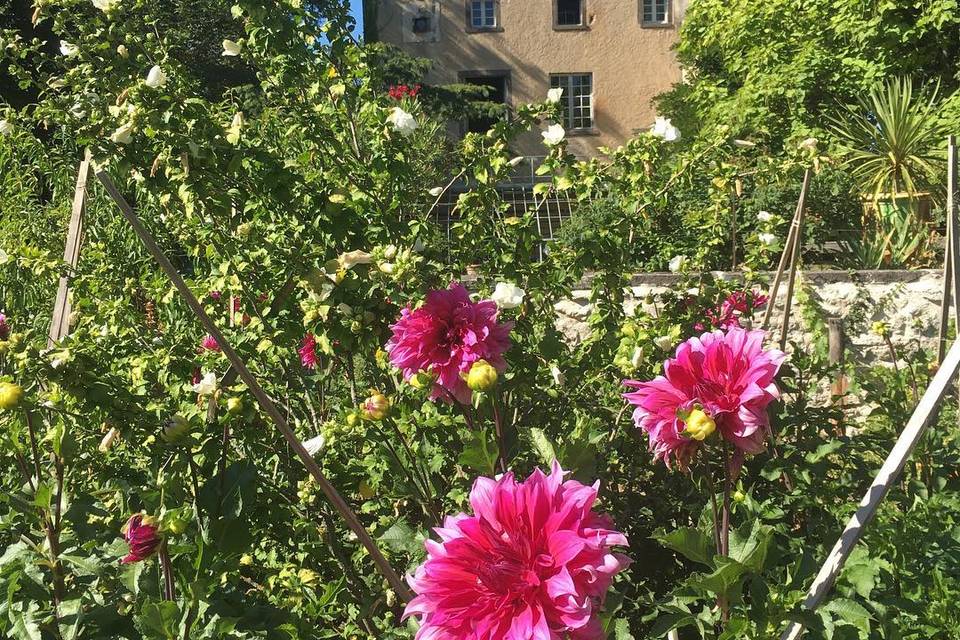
x,y
482,376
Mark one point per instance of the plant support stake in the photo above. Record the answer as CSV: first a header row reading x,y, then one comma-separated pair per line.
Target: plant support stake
x,y
885,479
262,398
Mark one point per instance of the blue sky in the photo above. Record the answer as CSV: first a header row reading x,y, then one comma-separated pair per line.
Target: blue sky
x,y
356,6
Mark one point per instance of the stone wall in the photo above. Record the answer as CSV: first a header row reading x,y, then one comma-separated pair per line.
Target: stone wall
x,y
907,301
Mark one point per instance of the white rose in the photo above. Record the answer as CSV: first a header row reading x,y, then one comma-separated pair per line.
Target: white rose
x,y
315,445
677,263
123,134
353,258
554,135
207,386
637,358
156,78
663,128
664,343
558,378
508,295
436,191
68,49
768,239
765,216
554,95
106,5
122,51
6,128
402,121
516,161
231,48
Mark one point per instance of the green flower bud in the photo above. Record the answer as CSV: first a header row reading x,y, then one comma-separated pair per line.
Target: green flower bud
x,y
482,376
235,406
10,395
175,429
699,426
376,407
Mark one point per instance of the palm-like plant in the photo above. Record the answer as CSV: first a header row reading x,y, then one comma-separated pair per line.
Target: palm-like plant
x,y
892,139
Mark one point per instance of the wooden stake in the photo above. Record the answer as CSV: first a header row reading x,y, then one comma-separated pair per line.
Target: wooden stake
x,y
795,260
782,266
262,398
885,479
60,322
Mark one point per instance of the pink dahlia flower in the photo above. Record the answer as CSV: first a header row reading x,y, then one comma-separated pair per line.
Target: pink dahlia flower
x,y
445,336
533,562
143,536
308,352
725,373
209,343
737,304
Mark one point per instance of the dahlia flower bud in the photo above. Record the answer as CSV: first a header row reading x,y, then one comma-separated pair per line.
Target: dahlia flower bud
x,y
174,429
235,406
142,534
482,376
376,407
880,328
699,426
10,395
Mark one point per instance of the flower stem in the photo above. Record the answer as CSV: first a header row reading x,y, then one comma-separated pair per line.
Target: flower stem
x,y
501,439
169,588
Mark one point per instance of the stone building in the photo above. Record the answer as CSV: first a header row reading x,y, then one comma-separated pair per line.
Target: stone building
x,y
610,56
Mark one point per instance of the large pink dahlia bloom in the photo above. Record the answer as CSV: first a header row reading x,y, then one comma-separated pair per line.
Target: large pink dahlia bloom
x,y
725,373
533,562
445,336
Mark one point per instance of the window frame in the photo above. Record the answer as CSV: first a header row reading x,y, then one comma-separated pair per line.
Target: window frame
x,y
469,27
569,97
583,26
656,24
476,74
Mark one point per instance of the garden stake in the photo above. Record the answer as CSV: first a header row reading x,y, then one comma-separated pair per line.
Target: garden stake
x,y
787,252
262,398
951,276
886,478
794,261
60,323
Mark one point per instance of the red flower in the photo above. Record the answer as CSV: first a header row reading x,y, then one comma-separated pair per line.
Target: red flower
x,y
399,92
209,344
737,304
308,352
143,535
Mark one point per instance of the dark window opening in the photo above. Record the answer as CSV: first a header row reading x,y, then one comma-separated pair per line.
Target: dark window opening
x,y
489,109
421,24
569,13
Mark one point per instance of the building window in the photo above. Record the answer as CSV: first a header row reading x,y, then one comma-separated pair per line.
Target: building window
x,y
421,24
491,107
656,12
569,13
483,14
577,99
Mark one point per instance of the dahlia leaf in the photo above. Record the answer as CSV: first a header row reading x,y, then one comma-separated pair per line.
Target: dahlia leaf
x,y
480,453
749,544
689,542
543,446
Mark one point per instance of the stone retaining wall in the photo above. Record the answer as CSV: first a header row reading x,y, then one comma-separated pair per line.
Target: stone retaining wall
x,y
907,301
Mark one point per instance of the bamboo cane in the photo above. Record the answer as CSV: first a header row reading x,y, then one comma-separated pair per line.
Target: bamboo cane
x,y
794,262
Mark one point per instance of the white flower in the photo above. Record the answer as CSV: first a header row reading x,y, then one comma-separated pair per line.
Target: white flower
x,y
6,128
677,263
768,239
436,191
353,258
664,343
554,95
744,144
402,121
108,440
558,378
231,48
122,51
156,78
516,161
207,386
810,144
315,445
390,251
123,134
508,295
106,5
68,49
554,135
637,358
765,216
4,258
663,128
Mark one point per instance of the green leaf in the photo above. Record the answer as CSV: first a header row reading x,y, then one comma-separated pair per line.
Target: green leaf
x,y
83,566
850,612
749,544
689,542
402,539
543,446
823,451
621,630
158,620
480,453
725,580
25,627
